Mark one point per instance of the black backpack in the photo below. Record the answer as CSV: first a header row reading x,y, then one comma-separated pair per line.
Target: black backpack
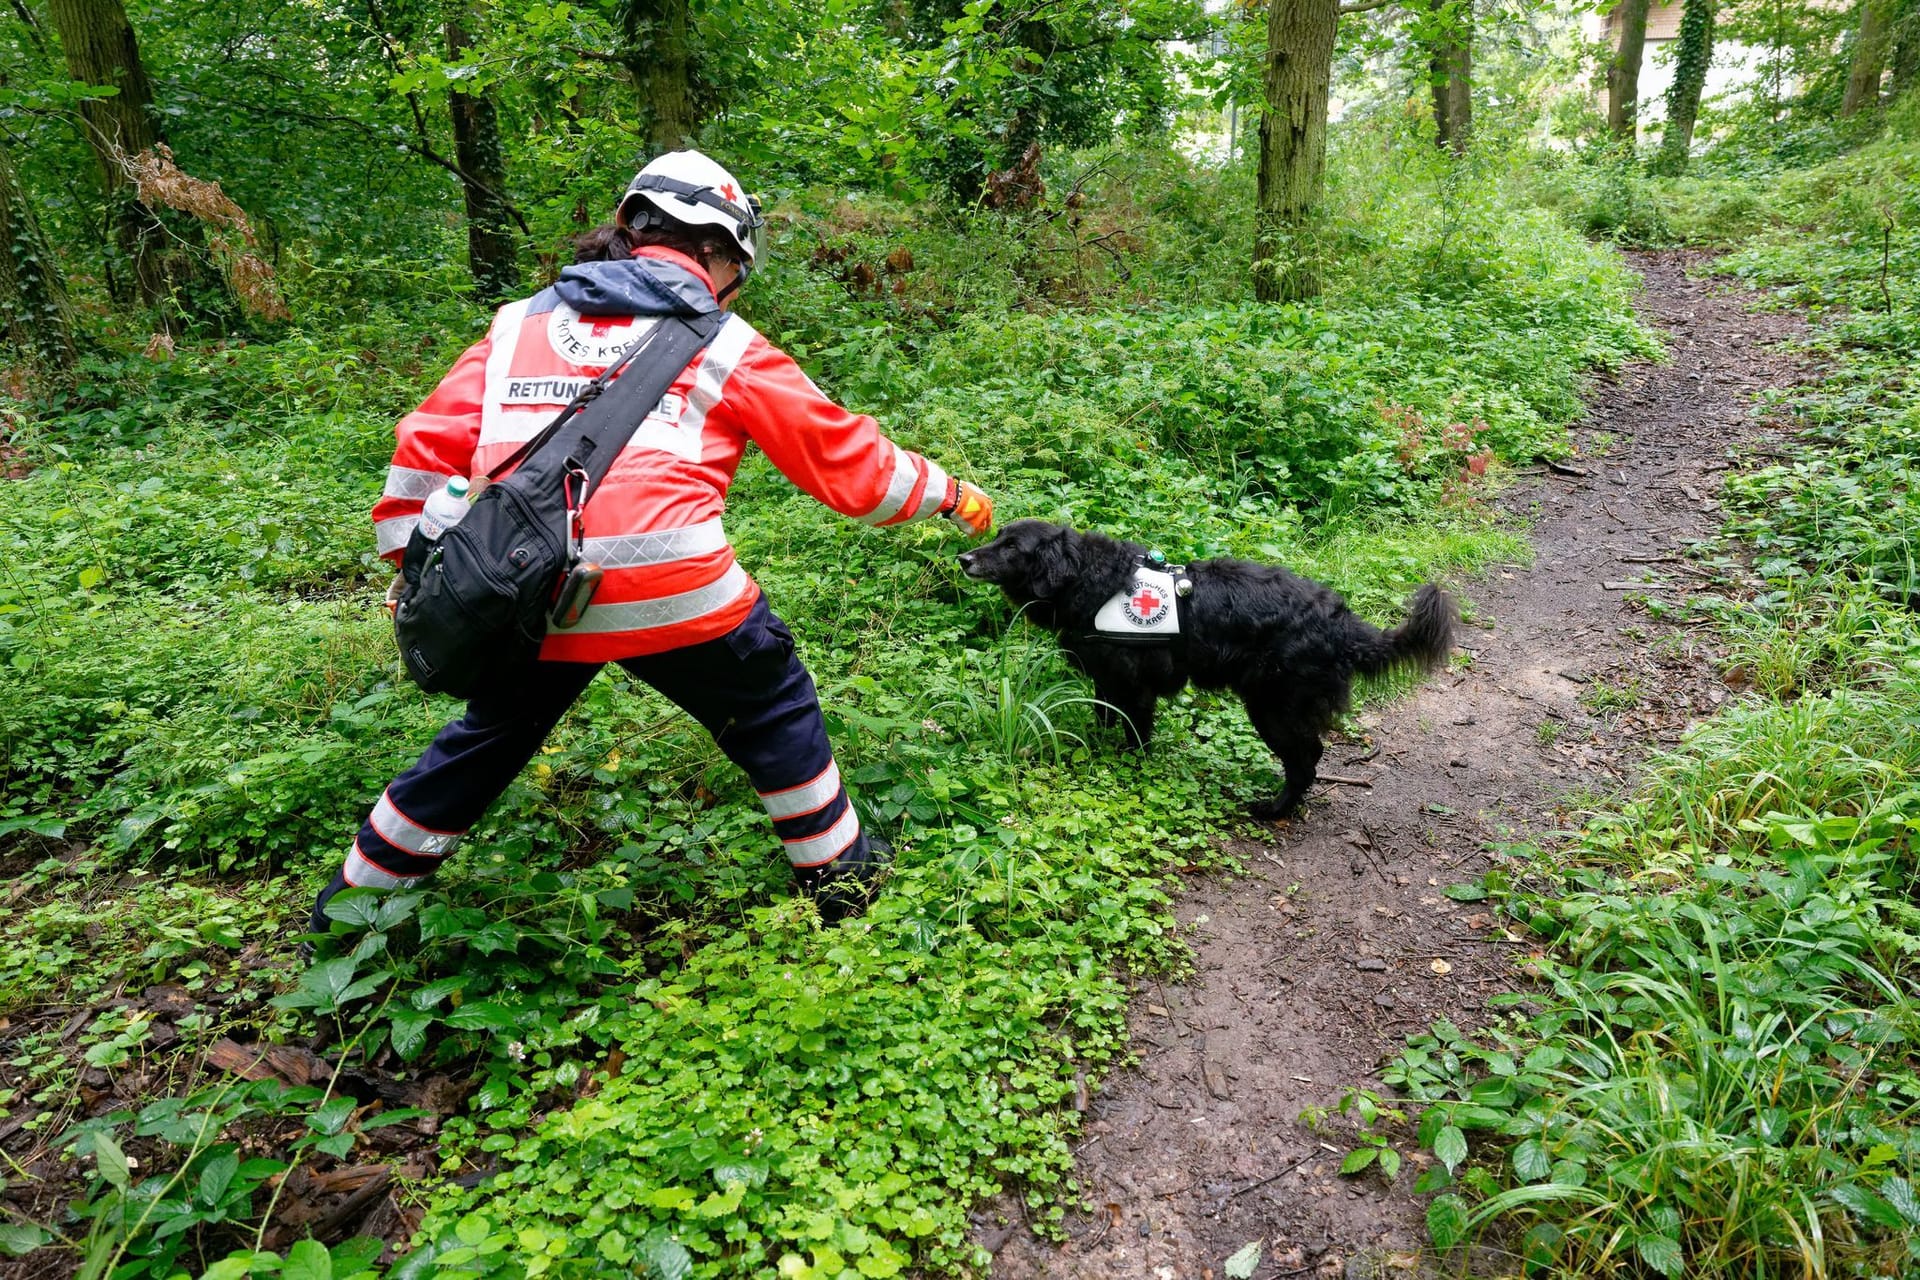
x,y
476,603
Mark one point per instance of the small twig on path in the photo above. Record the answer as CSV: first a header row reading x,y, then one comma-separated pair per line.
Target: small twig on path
x,y
1345,781
1562,469
1275,1177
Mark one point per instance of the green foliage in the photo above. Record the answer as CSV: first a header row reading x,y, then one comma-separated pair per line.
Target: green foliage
x,y
1716,1075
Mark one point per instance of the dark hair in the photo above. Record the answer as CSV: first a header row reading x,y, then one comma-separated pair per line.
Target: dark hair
x,y
610,242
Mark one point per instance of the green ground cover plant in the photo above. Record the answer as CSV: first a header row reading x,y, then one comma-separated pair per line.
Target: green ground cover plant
x,y
1716,1073
673,1065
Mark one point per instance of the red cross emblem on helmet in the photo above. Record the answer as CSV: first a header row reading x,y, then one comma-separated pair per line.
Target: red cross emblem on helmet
x,y
730,192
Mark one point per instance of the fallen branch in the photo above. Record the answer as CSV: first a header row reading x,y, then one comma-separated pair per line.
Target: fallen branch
x,y
1345,781
1562,469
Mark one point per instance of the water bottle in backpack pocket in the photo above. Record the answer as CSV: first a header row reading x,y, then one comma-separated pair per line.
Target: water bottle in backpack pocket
x,y
445,508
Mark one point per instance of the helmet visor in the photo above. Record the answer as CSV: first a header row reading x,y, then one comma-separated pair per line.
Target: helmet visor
x,y
756,229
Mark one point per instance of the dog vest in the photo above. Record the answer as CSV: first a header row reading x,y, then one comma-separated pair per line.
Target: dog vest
x,y
1148,610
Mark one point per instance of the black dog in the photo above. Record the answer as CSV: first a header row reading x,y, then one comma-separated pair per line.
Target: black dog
x,y
1287,645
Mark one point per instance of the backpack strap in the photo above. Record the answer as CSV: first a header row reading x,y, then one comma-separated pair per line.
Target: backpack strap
x,y
657,357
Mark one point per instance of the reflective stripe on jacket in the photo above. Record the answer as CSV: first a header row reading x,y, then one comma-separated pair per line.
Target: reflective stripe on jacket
x,y
655,524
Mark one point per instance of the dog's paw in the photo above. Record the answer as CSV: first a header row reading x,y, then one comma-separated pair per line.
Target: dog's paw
x,y
1274,809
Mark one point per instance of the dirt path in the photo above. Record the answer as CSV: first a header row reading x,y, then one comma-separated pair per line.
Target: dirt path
x,y
1314,968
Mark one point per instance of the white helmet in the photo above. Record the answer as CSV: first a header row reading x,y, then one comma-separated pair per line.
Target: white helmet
x,y
688,188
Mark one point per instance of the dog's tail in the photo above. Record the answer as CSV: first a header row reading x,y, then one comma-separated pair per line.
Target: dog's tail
x,y
1424,640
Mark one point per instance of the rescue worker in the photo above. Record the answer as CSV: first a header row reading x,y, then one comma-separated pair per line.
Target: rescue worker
x,y
674,608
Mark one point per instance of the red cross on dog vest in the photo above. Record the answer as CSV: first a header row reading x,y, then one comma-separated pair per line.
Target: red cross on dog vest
x,y
1146,609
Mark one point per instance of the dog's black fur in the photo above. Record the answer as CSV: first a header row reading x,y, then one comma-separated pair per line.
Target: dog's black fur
x,y
1287,645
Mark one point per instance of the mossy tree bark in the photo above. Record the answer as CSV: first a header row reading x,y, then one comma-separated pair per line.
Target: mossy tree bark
x,y
1691,61
1623,72
659,57
34,317
1450,72
1293,147
492,255
1871,43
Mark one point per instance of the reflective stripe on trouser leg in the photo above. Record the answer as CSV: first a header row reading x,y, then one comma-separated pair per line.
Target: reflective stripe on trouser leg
x,y
424,812
752,694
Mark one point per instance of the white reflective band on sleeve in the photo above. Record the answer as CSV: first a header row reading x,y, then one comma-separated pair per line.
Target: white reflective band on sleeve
x,y
392,533
717,364
410,482
667,611
402,832
805,798
899,489
630,551
496,425
361,873
826,846
936,491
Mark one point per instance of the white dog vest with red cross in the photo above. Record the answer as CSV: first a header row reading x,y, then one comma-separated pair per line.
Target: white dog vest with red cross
x,y
1149,608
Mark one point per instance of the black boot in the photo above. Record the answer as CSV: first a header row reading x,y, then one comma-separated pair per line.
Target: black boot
x,y
319,921
842,888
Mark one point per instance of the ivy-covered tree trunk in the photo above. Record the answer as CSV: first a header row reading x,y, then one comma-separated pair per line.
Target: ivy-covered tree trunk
x,y
1450,72
1692,57
1871,44
492,256
1623,73
34,317
659,57
1293,146
1906,49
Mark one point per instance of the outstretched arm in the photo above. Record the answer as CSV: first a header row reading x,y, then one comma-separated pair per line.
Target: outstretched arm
x,y
841,458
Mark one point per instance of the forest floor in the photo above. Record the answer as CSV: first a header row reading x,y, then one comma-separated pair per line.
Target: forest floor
x,y
1339,941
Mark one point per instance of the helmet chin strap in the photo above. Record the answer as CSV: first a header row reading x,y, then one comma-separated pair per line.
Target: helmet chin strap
x,y
741,272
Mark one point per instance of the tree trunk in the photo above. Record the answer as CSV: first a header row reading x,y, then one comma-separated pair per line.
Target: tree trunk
x,y
1692,56
1870,48
169,273
660,59
492,256
1293,146
34,316
1450,73
1623,73
100,49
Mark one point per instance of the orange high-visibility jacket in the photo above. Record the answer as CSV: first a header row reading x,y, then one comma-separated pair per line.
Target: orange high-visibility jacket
x,y
654,524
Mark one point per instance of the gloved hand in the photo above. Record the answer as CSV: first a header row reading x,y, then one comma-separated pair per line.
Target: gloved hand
x,y
968,508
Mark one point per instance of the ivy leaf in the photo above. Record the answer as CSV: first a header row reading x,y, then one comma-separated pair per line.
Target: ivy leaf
x,y
1451,1146
1241,1265
1359,1159
1662,1253
1465,892
1447,1222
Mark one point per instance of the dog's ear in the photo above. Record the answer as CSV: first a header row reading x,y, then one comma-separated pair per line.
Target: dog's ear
x,y
1054,564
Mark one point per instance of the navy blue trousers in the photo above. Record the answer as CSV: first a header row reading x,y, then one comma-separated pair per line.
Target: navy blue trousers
x,y
746,688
